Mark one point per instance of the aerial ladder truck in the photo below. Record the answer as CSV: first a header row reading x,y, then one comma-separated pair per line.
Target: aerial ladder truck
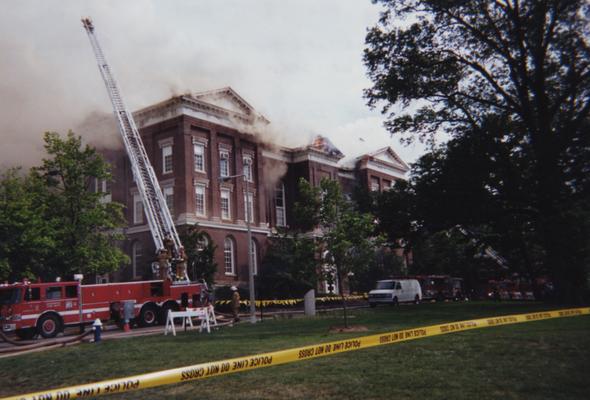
x,y
161,224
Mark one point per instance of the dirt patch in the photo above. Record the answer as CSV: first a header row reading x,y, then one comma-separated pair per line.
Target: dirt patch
x,y
342,329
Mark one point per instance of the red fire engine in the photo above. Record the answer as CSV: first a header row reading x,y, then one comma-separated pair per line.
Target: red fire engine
x,y
47,308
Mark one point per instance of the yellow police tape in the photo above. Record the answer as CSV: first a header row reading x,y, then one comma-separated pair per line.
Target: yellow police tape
x,y
290,302
216,368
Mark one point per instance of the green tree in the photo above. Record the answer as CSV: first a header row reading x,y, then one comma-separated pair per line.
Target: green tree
x,y
200,251
85,226
517,73
27,238
290,266
346,240
384,263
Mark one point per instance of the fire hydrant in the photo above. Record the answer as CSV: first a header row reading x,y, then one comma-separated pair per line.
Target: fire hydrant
x,y
97,328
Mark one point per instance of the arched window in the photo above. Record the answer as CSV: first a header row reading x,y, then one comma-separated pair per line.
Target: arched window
x,y
136,259
254,259
229,258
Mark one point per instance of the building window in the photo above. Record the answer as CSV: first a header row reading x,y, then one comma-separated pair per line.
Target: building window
x,y
254,258
200,209
280,204
137,209
247,162
169,197
103,186
224,163
202,243
136,255
387,184
167,159
229,256
249,207
374,184
225,204
199,151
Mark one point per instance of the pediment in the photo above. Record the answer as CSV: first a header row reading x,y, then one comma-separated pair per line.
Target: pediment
x,y
227,99
388,155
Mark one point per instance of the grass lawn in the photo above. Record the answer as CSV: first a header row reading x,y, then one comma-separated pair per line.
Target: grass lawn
x,y
537,360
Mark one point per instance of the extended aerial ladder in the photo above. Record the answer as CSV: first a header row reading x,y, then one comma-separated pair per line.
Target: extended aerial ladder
x,y
158,215
488,250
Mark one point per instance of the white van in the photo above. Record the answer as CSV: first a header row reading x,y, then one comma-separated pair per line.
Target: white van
x,y
394,291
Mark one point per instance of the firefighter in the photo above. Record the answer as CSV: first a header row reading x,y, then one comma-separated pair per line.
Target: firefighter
x,y
204,297
181,265
235,303
163,257
169,245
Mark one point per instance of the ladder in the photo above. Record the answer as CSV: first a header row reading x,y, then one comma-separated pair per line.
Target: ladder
x,y
158,216
488,250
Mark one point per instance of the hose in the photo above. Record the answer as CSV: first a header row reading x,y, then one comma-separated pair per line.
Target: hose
x,y
44,343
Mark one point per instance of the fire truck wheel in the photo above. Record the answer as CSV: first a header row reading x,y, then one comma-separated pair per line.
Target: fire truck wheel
x,y
148,315
49,326
26,334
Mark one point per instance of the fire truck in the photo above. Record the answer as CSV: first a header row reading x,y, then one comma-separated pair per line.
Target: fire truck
x,y
47,308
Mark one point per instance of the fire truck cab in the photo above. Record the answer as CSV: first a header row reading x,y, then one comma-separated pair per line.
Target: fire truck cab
x,y
47,308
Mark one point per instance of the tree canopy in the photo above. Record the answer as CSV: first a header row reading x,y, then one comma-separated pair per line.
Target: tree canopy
x,y
509,81
200,251
346,237
55,221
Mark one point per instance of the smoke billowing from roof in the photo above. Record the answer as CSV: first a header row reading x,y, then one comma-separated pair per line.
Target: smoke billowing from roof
x,y
303,80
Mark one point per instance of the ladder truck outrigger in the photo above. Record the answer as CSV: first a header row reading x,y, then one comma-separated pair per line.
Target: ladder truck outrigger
x,y
160,221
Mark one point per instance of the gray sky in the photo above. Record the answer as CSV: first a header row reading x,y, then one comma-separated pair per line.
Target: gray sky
x,y
298,62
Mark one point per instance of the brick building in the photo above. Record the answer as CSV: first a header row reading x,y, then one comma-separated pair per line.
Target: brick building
x,y
192,140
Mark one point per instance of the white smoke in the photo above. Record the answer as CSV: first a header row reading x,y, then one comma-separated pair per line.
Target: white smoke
x,y
297,62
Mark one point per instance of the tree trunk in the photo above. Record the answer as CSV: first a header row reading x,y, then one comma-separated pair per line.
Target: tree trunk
x,y
340,289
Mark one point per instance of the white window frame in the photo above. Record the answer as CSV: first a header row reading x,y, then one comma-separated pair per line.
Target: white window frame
x,y
225,194
103,186
199,153
281,210
224,166
169,192
137,209
229,257
200,190
254,259
135,256
104,278
375,184
249,207
247,168
167,152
